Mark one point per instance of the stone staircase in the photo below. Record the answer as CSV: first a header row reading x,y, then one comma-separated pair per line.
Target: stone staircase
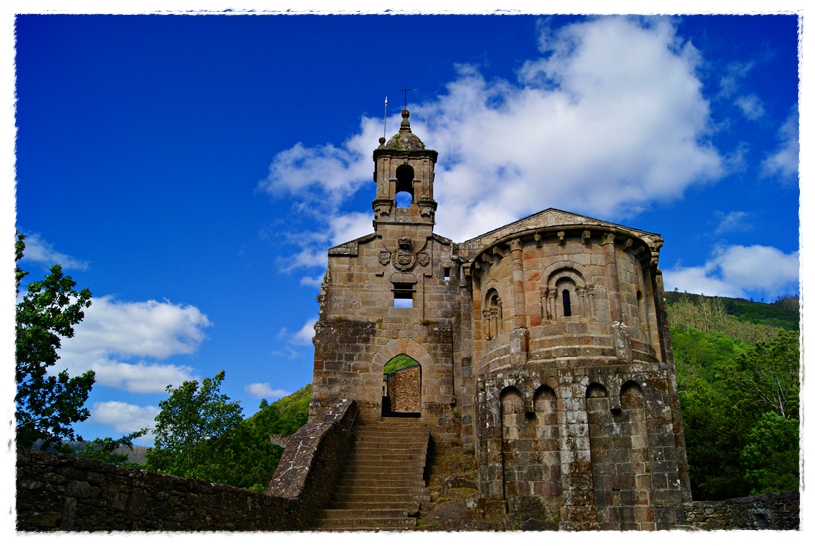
x,y
381,487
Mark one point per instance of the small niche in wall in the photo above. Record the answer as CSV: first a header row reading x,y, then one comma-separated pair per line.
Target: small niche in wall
x,y
446,273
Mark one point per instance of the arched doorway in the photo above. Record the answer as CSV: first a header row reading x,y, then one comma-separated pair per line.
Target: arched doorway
x,y
402,387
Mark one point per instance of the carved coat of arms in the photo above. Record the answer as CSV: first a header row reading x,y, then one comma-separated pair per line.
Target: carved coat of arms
x,y
404,257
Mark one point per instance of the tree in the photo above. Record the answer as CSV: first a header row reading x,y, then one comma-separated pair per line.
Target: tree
x,y
770,456
189,419
47,405
767,375
103,449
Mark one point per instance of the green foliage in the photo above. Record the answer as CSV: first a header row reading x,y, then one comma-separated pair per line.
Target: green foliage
x,y
200,434
399,362
47,405
188,418
739,401
709,314
767,376
104,449
783,313
770,456
285,416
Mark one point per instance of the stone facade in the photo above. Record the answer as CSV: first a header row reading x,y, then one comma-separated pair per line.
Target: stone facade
x,y
543,347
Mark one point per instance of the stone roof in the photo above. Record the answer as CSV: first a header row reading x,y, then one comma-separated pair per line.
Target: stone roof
x,y
404,139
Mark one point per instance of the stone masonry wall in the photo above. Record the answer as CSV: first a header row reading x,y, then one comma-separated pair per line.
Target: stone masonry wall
x,y
404,389
57,492
775,511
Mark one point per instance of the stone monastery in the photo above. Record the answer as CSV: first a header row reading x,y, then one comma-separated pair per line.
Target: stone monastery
x,y
543,352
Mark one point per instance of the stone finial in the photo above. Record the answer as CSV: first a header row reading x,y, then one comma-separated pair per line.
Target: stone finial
x,y
404,139
405,126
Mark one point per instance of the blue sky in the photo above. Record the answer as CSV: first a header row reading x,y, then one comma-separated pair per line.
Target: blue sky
x,y
192,170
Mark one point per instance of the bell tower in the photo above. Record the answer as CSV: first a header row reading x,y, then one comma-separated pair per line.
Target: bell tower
x,y
404,172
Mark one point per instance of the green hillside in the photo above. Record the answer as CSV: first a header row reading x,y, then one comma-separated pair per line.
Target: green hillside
x,y
783,313
284,416
738,377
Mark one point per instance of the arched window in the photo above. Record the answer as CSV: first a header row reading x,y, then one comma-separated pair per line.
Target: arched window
x,y
567,304
492,314
566,293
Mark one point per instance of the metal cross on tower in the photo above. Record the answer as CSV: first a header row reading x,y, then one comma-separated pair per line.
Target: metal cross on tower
x,y
405,89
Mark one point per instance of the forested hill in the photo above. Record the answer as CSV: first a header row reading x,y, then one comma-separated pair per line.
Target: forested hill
x,y
737,366
782,313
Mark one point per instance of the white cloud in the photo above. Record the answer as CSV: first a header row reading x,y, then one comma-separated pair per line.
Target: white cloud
x,y
732,221
265,390
125,418
304,335
290,354
141,377
608,120
751,106
347,227
738,271
316,282
784,161
145,328
39,250
114,330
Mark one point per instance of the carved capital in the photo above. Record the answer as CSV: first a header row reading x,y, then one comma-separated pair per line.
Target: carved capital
x,y
608,239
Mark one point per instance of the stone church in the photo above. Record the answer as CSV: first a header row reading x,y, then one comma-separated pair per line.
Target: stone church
x,y
543,351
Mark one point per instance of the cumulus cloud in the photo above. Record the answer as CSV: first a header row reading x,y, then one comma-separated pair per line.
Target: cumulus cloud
x,y
125,418
265,390
304,335
40,251
141,377
609,119
113,331
739,271
144,328
784,161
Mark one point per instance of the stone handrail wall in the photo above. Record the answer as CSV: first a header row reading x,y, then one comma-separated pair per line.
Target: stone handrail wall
x,y
62,492
777,511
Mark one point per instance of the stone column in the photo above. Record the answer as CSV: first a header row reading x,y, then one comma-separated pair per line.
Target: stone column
x,y
578,512
516,248
612,278
519,337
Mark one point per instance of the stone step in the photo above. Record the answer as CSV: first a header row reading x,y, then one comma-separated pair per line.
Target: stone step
x,y
364,513
394,462
417,445
381,497
360,524
386,440
407,507
382,485
398,493
380,467
380,482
